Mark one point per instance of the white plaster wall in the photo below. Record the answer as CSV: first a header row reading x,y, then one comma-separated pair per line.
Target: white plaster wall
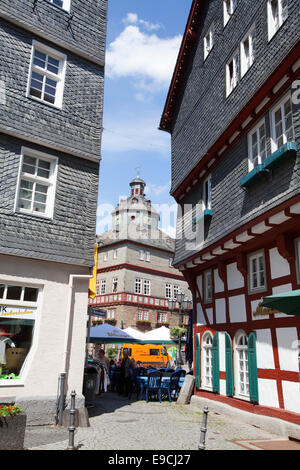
x,y
291,396
264,349
200,316
209,313
223,387
220,305
267,393
44,362
279,265
237,308
287,341
219,284
235,279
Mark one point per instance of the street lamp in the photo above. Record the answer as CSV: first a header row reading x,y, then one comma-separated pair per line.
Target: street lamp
x,y
183,304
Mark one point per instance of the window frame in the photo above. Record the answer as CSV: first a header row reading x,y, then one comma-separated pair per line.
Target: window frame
x,y
226,15
35,179
161,317
235,72
237,382
138,282
211,34
256,255
256,130
270,21
146,282
115,282
205,348
251,37
280,105
206,193
168,286
207,299
66,5
59,79
102,286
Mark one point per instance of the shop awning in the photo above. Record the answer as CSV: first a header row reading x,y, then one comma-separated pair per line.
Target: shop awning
x,y
287,302
109,334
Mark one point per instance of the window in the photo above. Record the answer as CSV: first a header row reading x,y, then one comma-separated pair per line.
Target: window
x,y
115,284
147,255
111,313
146,287
18,308
282,123
207,193
105,256
171,262
168,291
257,275
229,6
36,185
209,40
64,4
277,14
46,78
97,287
232,73
115,254
247,52
162,317
176,290
208,286
142,315
241,363
138,286
103,286
257,145
207,361
141,255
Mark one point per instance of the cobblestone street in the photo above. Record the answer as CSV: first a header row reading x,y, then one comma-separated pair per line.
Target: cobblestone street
x,y
117,423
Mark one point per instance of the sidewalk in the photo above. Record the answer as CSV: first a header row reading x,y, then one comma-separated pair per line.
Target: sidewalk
x,y
117,423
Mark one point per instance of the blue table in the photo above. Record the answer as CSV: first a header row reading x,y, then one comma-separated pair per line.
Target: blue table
x,y
143,380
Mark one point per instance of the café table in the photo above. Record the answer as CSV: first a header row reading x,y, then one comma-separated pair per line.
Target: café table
x,y
142,381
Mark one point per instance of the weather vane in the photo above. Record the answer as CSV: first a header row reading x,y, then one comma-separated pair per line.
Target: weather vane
x,y
138,171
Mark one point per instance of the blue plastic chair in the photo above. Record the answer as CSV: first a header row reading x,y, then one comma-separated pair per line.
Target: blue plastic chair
x,y
154,384
173,386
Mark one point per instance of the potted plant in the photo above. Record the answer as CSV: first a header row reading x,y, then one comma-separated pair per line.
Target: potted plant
x,y
111,321
12,427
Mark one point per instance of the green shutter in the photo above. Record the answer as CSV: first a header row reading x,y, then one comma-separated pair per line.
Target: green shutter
x,y
252,366
215,364
229,368
197,362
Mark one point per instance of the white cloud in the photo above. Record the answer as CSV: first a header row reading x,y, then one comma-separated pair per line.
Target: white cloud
x,y
132,18
152,188
147,59
134,132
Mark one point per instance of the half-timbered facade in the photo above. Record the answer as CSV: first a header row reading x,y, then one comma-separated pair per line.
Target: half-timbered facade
x,y
233,113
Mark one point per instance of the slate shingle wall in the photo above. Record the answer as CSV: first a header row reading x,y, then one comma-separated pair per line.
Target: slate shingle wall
x,y
203,110
87,33
69,236
77,126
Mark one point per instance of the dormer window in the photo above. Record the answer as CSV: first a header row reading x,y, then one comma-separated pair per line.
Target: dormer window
x,y
209,40
229,6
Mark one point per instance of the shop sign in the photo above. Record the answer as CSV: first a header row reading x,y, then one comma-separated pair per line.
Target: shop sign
x,y
264,311
17,312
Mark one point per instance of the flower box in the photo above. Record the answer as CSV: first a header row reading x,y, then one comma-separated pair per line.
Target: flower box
x,y
12,431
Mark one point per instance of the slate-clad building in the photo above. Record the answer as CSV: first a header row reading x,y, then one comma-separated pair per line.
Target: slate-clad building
x,y
233,114
51,98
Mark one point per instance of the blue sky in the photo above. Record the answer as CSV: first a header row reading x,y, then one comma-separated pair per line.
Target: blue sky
x,y
143,40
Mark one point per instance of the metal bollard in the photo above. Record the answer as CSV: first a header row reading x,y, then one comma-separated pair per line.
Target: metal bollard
x,y
72,427
203,429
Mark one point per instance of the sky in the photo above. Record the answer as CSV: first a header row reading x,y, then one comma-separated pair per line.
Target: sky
x,y
143,41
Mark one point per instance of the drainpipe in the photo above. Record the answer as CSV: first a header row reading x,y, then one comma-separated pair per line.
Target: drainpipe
x,y
66,341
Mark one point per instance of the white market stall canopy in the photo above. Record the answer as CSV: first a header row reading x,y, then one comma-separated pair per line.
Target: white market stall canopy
x,y
107,333
135,333
159,336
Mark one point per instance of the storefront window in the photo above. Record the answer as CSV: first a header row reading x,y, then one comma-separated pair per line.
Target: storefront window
x,y
18,306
